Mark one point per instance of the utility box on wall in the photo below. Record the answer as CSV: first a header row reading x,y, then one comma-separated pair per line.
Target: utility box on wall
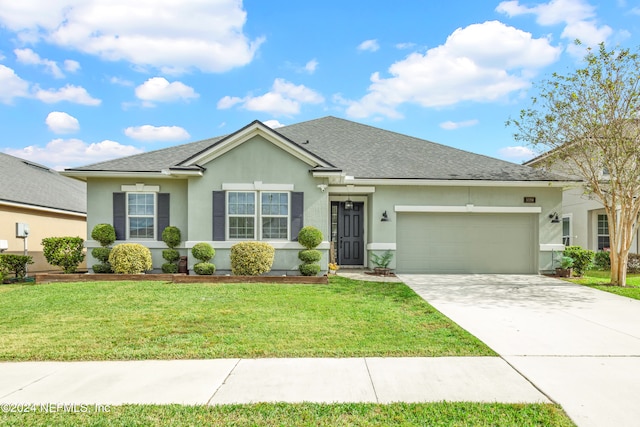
x,y
22,230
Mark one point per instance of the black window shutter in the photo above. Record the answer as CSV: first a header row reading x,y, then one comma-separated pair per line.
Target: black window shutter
x,y
219,212
163,213
120,215
297,213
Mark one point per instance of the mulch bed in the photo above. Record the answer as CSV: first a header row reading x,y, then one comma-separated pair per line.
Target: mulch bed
x,y
178,278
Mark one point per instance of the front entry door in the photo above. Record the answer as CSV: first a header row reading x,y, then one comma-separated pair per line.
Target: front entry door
x,y
351,234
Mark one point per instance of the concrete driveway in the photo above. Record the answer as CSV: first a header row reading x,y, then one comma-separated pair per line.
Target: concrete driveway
x,y
579,346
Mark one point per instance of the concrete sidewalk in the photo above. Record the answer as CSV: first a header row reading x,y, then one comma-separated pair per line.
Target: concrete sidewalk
x,y
580,346
222,381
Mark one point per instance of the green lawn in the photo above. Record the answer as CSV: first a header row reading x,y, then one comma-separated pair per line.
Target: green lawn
x,y
307,414
155,320
600,280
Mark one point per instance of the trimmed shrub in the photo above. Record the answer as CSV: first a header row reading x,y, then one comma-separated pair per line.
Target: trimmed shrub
x,y
633,264
16,264
251,258
169,268
309,269
64,252
602,260
171,255
101,254
582,258
310,256
203,251
171,236
103,268
105,234
309,237
204,268
130,258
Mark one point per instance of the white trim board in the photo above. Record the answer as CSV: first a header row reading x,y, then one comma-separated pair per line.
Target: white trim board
x,y
468,209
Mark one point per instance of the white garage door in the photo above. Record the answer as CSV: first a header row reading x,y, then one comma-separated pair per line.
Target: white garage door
x,y
467,243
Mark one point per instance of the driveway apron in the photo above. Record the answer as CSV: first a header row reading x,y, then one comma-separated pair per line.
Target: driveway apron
x,y
579,346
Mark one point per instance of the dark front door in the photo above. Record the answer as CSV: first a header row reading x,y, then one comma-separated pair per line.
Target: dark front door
x,y
351,234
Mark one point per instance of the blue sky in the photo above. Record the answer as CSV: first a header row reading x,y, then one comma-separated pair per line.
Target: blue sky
x,y
83,81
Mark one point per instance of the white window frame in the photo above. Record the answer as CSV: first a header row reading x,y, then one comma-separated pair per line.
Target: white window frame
x,y
155,214
257,215
598,234
568,217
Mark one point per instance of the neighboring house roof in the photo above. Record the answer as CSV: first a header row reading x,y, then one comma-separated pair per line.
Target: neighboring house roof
x,y
32,185
358,150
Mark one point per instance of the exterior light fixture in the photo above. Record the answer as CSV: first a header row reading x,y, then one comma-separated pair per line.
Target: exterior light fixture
x,y
554,217
348,205
385,217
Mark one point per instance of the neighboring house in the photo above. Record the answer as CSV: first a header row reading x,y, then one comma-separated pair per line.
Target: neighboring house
x,y
584,220
51,205
439,209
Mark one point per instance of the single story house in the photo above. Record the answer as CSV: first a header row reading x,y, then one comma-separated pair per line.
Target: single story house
x,y
369,190
45,202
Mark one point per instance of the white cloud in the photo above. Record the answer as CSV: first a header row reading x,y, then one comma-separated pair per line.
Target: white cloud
x,y
62,153
120,81
71,66
11,86
311,66
480,63
516,153
160,90
273,124
405,46
285,98
172,36
578,16
71,93
157,133
29,57
369,45
60,122
457,125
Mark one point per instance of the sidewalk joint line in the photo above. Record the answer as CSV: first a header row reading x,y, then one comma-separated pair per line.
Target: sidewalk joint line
x,y
529,381
373,386
223,381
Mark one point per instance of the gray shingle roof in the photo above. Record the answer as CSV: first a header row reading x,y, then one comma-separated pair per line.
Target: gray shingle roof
x,y
32,184
358,150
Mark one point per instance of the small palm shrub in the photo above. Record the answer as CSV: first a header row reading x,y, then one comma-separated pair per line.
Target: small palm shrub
x,y
203,252
130,258
309,237
251,258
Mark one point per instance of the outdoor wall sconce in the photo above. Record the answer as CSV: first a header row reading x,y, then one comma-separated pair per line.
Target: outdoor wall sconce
x,y
348,205
554,217
385,217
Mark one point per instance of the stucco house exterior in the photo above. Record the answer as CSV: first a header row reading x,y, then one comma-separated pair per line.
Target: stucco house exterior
x,y
51,205
438,209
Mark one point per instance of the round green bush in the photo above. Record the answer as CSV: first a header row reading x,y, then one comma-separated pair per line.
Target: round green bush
x,y
171,236
104,234
310,256
251,258
204,268
130,258
169,268
203,251
101,253
103,268
171,255
310,237
309,269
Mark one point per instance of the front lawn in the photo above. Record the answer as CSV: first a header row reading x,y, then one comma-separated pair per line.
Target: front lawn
x,y
155,320
600,280
308,414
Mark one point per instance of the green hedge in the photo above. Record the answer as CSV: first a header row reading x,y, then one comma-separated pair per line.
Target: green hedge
x,y
130,258
251,258
16,264
64,252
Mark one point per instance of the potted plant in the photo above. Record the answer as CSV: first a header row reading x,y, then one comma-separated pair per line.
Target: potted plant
x,y
381,263
566,264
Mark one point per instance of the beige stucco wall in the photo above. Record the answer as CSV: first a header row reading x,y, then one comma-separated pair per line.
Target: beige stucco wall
x,y
42,224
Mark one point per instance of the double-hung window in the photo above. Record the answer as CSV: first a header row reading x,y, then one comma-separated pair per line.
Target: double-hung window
x,y
603,232
141,215
262,215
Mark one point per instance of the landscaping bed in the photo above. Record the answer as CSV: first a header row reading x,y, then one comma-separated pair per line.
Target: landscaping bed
x,y
177,278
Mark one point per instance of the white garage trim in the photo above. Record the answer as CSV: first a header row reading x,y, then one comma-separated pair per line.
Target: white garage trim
x,y
469,209
381,247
